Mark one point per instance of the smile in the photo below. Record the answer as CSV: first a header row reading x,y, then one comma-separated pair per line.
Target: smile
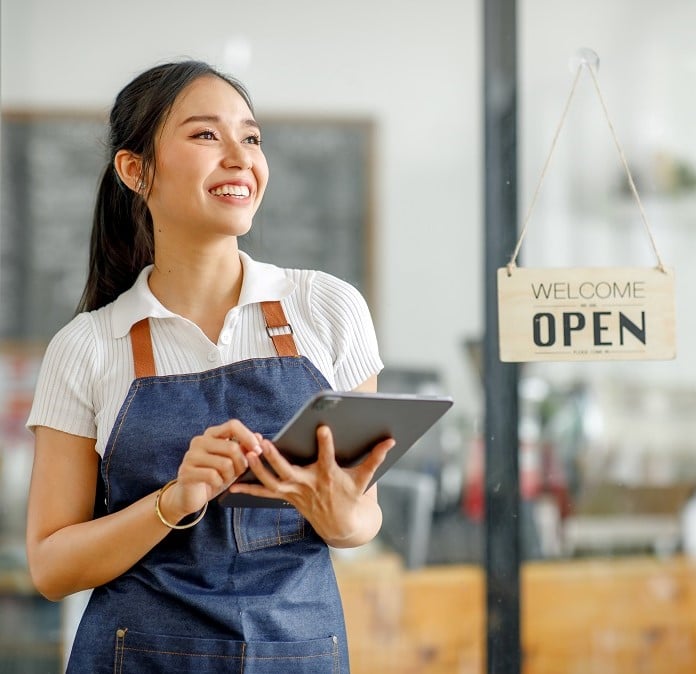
x,y
239,191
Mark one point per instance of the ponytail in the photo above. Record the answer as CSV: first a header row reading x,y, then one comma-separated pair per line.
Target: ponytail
x,y
121,244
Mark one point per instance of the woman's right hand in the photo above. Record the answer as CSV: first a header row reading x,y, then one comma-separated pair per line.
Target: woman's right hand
x,y
213,461
68,550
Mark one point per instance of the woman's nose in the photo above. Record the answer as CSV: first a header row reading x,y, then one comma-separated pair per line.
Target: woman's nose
x,y
236,156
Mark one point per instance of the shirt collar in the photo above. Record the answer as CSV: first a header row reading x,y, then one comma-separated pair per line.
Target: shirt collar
x,y
261,283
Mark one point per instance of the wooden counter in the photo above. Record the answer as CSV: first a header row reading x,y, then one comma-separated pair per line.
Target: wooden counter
x,y
600,616
408,622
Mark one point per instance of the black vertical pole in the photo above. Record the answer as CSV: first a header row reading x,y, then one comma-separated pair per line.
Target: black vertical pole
x,y
502,534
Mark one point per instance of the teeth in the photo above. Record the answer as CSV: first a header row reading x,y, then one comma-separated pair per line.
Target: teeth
x,y
231,190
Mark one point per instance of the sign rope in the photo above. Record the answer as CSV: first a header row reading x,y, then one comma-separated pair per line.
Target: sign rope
x,y
584,63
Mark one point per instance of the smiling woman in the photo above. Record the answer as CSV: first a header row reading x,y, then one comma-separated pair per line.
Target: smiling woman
x,y
208,155
129,413
180,103
209,181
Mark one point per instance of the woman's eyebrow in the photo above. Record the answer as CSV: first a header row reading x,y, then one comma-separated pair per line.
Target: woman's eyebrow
x,y
217,120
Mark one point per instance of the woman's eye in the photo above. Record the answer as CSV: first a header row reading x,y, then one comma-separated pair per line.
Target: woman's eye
x,y
205,135
253,140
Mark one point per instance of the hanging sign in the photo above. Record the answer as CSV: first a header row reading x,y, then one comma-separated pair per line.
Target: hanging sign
x,y
613,313
620,313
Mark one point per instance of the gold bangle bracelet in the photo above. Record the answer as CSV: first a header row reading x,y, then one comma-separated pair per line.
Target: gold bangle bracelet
x,y
169,524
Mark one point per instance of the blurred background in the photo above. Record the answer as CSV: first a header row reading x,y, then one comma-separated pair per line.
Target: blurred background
x,y
372,119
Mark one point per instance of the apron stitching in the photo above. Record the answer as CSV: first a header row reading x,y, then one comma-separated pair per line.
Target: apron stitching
x,y
224,371
118,655
186,653
312,374
246,545
313,656
257,543
278,535
112,446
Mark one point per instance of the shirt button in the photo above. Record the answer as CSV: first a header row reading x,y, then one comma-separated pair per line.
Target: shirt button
x,y
226,337
212,356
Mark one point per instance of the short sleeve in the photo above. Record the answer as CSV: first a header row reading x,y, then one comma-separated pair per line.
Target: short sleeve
x,y
63,398
343,318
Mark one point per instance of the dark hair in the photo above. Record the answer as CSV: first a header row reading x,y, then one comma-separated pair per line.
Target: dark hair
x,y
121,244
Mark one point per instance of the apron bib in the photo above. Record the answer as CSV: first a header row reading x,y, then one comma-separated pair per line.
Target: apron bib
x,y
247,590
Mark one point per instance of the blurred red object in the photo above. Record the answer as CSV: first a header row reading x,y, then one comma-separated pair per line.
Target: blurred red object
x,y
540,473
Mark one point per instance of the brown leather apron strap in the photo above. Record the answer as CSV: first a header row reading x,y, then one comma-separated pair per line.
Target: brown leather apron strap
x,y
278,329
141,342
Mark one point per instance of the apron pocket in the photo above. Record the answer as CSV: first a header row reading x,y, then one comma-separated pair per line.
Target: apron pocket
x,y
316,656
137,653
257,528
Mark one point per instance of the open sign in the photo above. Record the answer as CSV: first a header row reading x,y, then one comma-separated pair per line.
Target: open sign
x,y
621,313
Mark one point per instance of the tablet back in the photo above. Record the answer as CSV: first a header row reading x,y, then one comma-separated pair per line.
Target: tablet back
x,y
358,421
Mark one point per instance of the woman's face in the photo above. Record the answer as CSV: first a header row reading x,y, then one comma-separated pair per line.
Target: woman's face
x,y
210,173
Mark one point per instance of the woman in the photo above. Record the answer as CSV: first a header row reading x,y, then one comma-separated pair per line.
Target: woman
x,y
185,356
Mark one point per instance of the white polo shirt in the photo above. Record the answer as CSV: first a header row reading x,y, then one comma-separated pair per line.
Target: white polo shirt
x,y
88,366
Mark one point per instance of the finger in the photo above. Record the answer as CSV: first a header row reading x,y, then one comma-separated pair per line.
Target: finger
x,y
226,456
254,490
202,447
234,429
367,468
326,451
281,468
227,467
213,480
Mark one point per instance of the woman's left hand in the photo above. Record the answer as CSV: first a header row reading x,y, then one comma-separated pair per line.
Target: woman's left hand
x,y
333,499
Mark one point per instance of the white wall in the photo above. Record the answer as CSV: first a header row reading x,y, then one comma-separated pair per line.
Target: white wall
x,y
415,68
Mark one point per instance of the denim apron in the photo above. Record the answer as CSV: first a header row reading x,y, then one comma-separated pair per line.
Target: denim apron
x,y
247,590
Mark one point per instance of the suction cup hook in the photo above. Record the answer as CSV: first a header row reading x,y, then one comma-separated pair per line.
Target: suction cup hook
x,y
583,57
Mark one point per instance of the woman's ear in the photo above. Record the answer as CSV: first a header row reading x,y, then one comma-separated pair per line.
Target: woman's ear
x,y
129,168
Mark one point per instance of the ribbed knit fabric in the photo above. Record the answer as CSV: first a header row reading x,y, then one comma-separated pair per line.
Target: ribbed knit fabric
x,y
88,366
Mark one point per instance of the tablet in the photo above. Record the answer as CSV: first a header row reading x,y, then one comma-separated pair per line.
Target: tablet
x,y
358,422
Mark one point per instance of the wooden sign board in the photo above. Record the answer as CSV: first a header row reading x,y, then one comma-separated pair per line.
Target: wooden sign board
x,y
622,313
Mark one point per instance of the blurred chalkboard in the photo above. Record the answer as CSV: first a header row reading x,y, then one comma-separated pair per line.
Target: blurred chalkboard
x,y
316,212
